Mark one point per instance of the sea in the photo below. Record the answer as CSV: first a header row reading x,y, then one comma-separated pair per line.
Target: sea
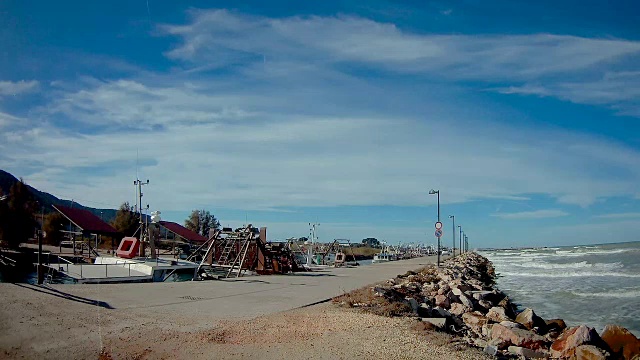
x,y
593,285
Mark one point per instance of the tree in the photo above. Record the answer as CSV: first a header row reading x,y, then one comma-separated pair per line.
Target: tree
x,y
371,242
126,220
53,224
201,221
17,224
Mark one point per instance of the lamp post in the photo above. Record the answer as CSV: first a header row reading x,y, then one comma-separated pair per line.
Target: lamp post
x,y
460,249
453,218
462,240
437,192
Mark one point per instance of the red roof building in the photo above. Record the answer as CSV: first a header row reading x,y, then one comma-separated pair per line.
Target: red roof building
x,y
85,220
182,232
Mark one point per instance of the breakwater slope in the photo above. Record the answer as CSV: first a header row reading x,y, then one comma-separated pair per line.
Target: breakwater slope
x,y
461,298
594,285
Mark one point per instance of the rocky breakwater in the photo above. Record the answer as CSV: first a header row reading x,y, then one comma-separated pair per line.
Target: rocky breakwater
x,y
460,298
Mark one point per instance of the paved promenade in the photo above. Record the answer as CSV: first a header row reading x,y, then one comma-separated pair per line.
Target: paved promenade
x,y
50,320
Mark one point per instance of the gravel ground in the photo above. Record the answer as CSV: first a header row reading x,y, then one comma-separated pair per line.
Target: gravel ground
x,y
317,332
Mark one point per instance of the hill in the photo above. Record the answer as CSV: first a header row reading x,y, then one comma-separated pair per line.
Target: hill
x,y
7,180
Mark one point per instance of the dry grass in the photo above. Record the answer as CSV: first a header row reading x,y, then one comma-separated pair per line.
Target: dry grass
x,y
366,299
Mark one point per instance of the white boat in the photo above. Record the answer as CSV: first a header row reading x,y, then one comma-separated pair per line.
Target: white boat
x,y
382,257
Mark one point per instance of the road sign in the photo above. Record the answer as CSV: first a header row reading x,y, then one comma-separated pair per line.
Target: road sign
x,y
439,233
438,225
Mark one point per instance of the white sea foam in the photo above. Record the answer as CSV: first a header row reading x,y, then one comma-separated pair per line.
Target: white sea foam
x,y
565,274
576,265
622,293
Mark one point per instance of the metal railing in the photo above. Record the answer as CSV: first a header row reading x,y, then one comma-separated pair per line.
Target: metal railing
x,y
73,270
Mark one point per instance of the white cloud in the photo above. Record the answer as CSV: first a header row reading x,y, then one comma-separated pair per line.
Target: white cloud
x,y
629,215
537,214
297,131
618,90
221,37
9,88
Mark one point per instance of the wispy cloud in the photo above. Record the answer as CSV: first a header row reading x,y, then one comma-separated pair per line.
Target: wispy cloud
x,y
618,90
9,88
537,214
300,130
219,35
629,215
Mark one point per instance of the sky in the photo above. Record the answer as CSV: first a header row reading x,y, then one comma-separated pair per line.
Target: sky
x,y
524,115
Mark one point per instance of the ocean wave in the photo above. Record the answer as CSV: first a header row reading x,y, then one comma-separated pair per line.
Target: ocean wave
x,y
576,265
585,251
622,293
566,274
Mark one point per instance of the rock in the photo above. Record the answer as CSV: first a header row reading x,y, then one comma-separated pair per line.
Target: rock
x,y
444,289
491,350
466,301
530,320
556,324
456,291
527,353
497,314
621,341
486,330
479,342
481,295
511,324
459,309
413,303
590,352
439,323
565,346
424,310
517,337
485,304
442,301
474,321
440,311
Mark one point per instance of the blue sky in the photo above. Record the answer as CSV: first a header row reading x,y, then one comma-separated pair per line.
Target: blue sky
x,y
526,116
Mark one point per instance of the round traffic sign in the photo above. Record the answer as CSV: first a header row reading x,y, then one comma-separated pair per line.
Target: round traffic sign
x,y
438,225
439,233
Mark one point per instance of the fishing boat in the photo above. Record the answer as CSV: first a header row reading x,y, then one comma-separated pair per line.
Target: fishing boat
x,y
384,256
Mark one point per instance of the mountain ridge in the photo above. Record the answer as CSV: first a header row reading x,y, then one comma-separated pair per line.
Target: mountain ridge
x,y
44,198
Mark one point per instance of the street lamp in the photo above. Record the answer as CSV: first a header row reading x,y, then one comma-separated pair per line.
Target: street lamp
x,y
453,218
437,192
460,227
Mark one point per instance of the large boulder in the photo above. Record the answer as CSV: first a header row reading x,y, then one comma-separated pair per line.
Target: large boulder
x,y
591,352
518,337
566,344
622,342
442,301
475,321
466,301
438,323
556,324
527,353
459,309
497,314
530,320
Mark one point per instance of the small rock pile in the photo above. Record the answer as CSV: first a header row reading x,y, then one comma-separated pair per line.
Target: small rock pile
x,y
460,298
